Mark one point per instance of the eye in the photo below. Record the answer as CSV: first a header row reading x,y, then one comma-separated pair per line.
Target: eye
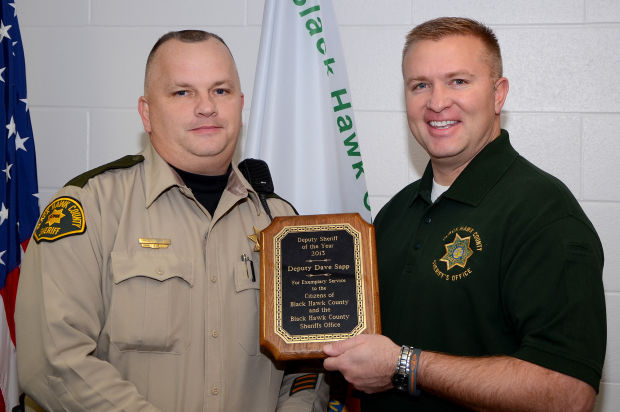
x,y
181,93
221,91
419,86
459,82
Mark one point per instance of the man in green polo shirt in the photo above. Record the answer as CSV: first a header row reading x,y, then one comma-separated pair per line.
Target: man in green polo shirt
x,y
490,272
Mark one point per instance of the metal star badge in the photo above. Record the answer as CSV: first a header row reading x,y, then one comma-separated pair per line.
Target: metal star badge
x,y
254,238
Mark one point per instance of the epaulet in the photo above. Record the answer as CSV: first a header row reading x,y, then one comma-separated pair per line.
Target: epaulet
x,y
273,195
122,163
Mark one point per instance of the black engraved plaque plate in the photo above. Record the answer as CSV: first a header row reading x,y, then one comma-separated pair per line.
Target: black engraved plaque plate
x,y
316,277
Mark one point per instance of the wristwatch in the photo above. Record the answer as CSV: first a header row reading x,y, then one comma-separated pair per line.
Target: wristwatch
x,y
400,379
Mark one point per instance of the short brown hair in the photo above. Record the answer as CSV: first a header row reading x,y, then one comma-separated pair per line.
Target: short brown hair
x,y
186,36
441,27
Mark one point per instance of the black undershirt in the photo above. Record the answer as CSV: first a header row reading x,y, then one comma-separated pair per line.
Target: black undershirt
x,y
207,189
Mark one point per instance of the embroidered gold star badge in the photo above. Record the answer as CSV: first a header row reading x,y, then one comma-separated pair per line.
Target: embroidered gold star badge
x,y
254,238
55,217
457,252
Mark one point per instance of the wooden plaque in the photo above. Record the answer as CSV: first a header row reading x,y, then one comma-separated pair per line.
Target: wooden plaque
x,y
318,283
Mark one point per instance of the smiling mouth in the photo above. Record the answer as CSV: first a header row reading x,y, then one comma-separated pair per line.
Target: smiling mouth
x,y
444,124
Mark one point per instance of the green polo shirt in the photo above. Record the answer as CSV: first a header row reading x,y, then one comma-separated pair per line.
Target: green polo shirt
x,y
505,262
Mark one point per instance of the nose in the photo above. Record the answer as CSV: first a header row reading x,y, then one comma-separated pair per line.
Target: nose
x,y
438,99
205,105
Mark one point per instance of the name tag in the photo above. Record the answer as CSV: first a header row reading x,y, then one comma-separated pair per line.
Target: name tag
x,y
154,243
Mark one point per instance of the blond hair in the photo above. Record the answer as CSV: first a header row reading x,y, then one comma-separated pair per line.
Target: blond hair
x,y
442,27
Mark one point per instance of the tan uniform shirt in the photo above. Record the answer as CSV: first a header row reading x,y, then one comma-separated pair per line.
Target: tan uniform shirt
x,y
105,324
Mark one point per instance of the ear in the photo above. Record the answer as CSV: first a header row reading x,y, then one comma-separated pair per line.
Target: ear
x,y
501,91
242,100
143,109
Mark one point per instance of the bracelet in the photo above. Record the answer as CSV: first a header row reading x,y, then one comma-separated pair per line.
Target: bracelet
x,y
414,357
401,373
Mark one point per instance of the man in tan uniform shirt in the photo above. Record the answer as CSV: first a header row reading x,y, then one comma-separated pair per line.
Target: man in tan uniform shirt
x,y
133,296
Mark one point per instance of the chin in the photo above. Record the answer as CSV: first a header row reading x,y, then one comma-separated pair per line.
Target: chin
x,y
443,149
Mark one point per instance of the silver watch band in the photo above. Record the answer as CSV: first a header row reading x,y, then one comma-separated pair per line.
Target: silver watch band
x,y
400,379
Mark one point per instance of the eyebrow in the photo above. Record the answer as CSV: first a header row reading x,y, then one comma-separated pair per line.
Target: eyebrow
x,y
459,73
189,85
180,84
449,75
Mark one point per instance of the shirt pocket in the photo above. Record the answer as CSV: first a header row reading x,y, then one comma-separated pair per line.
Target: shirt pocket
x,y
150,305
246,306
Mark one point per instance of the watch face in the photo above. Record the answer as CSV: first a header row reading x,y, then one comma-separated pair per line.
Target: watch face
x,y
399,380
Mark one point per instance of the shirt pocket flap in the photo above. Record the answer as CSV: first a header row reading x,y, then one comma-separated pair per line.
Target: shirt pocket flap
x,y
126,266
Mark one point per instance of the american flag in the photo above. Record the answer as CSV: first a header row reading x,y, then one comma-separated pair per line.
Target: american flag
x,y
19,204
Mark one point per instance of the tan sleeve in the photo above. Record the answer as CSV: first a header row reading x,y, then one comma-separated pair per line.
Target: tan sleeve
x,y
303,392
59,316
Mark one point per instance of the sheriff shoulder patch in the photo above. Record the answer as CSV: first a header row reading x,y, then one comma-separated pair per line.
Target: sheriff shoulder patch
x,y
62,217
304,382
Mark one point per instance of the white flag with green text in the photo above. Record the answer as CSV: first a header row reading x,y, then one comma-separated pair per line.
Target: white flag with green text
x,y
301,121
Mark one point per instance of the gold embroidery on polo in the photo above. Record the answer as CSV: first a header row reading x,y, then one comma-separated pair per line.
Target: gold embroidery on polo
x,y
457,252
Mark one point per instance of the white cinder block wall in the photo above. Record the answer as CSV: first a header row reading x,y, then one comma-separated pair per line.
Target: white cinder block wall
x,y
85,62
